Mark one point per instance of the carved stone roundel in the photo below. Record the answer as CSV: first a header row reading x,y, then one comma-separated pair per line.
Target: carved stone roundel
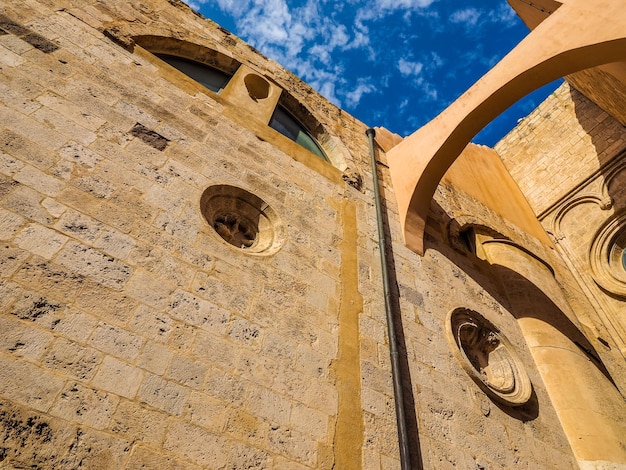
x,y
607,256
488,357
242,219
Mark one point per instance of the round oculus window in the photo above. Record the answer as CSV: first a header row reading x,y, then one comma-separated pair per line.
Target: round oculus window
x,y
242,219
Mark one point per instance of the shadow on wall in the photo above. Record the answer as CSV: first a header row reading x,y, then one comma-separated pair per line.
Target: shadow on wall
x,y
407,383
520,296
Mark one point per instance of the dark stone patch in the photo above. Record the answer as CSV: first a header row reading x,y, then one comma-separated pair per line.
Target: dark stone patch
x,y
6,185
12,27
41,43
2,33
411,295
32,38
149,137
119,38
37,308
19,431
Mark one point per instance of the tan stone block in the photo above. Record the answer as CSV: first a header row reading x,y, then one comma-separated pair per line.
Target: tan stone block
x,y
116,341
242,457
115,243
94,264
26,202
31,306
290,443
93,449
320,396
266,404
230,388
28,384
77,153
22,340
10,58
36,179
186,371
11,259
143,458
216,350
40,240
80,226
198,312
164,395
54,208
162,198
281,348
309,421
118,377
64,126
9,165
108,304
311,363
74,324
183,337
79,404
246,427
71,111
224,295
152,324
32,437
95,185
72,359
84,202
37,132
377,403
197,445
208,412
16,100
257,368
154,357
147,288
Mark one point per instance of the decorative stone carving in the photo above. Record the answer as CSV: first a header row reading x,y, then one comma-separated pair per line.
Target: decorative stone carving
x,y
607,255
242,219
488,357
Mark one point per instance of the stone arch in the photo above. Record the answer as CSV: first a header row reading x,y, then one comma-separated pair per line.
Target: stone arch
x,y
575,37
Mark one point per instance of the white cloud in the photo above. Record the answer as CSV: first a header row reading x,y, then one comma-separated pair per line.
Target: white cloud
x,y
408,68
353,97
402,4
504,14
468,17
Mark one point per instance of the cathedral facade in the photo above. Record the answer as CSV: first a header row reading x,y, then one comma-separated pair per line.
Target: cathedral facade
x,y
207,265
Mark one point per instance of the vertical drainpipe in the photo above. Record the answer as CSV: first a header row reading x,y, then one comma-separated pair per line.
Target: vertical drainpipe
x,y
403,437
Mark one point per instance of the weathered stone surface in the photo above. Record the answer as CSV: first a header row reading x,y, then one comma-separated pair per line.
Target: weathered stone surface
x,y
135,337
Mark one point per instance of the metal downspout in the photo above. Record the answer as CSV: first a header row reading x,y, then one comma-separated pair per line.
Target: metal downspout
x,y
403,437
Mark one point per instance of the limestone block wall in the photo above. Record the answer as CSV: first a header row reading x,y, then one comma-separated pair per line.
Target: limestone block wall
x,y
135,337
558,145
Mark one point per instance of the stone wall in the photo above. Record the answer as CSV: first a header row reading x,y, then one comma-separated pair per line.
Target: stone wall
x,y
136,337
575,184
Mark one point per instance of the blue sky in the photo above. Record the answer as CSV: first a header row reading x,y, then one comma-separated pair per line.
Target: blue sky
x,y
391,63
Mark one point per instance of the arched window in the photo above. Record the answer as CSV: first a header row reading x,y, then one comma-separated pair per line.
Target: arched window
x,y
212,78
290,127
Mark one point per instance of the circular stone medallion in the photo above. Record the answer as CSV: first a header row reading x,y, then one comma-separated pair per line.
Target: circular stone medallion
x,y
488,357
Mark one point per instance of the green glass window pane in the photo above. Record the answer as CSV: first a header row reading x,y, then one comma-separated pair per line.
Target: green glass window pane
x,y
287,125
213,79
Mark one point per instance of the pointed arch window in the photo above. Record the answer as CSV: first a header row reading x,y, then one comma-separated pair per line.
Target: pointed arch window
x,y
290,127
